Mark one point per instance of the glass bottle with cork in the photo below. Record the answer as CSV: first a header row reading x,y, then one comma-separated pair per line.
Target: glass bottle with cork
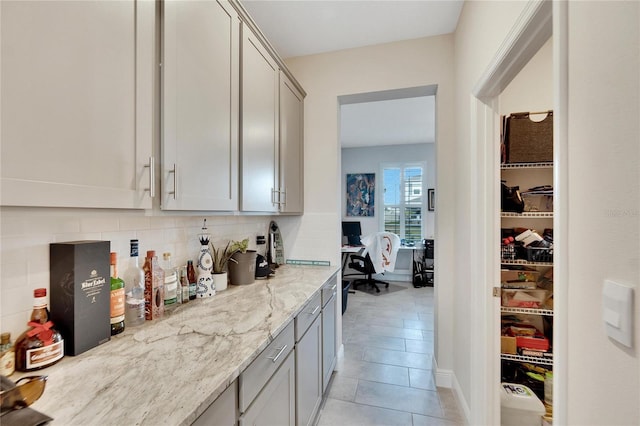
x,y
41,345
117,297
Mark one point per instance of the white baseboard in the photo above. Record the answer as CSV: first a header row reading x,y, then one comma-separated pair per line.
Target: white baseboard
x,y
447,379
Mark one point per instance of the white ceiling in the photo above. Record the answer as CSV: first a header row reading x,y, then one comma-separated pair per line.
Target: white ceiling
x,y
306,27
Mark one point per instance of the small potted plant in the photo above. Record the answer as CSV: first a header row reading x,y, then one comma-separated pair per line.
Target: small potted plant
x,y
243,269
221,258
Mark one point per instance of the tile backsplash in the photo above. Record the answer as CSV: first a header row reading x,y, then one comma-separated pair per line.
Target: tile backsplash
x,y
25,235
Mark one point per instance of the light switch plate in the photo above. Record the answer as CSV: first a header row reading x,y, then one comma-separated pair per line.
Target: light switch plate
x,y
617,312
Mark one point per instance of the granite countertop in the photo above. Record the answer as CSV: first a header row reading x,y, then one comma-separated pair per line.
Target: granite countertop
x,y
169,371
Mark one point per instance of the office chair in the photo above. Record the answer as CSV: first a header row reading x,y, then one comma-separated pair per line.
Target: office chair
x,y
381,249
364,265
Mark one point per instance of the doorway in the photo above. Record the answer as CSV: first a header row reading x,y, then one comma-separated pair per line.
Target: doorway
x,y
385,132
538,22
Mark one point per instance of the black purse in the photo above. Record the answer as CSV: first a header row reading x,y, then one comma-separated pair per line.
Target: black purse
x,y
511,200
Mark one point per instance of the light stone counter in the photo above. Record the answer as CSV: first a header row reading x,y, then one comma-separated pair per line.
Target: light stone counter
x,y
168,371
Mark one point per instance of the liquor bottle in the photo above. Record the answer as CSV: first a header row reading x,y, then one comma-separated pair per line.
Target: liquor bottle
x,y
153,287
41,345
7,355
134,290
206,287
184,285
191,277
117,298
170,282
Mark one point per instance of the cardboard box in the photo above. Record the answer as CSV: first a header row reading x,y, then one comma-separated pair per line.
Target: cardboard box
x,y
508,345
516,278
79,293
524,298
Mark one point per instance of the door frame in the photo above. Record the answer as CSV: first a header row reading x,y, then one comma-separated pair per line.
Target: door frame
x,y
538,21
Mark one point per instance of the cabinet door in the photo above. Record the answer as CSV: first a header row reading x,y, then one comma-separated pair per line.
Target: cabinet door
x,y
259,131
77,103
275,405
223,411
291,147
309,374
328,341
200,80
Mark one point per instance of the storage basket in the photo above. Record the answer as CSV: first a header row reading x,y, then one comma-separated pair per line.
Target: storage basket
x,y
539,254
508,252
528,141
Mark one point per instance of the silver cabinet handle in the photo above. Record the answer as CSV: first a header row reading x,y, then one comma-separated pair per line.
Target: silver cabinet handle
x,y
152,178
280,351
175,181
315,310
334,287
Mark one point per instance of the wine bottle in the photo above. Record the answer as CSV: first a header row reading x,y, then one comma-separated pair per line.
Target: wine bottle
x,y
41,345
117,298
134,289
191,276
184,285
170,282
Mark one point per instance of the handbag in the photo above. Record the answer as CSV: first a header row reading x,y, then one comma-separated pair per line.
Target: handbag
x,y
511,200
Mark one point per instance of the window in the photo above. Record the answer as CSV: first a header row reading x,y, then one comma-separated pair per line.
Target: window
x,y
402,199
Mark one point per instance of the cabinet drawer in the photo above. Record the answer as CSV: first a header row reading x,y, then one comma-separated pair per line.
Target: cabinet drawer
x,y
306,316
256,375
329,289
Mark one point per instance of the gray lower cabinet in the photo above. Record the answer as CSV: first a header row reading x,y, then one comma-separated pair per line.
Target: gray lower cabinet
x,y
275,404
328,341
308,361
223,411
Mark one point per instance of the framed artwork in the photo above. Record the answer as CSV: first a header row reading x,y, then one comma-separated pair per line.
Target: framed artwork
x,y
361,189
431,199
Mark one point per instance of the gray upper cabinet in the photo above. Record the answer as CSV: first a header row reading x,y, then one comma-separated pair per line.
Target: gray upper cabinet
x,y
259,129
77,103
200,81
291,182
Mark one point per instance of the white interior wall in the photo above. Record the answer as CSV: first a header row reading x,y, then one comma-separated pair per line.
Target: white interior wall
x,y
532,88
411,63
482,28
604,206
27,232
369,160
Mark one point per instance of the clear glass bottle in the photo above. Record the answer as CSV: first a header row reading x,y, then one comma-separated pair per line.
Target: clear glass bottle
x,y
170,282
41,345
7,355
184,285
191,277
117,298
153,287
134,289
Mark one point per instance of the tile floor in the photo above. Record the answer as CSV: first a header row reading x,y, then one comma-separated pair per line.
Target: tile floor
x,y
385,377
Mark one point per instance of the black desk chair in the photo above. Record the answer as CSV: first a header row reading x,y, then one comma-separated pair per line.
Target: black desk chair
x,y
365,267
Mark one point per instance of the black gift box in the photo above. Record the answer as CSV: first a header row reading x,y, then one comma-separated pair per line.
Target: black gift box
x,y
79,294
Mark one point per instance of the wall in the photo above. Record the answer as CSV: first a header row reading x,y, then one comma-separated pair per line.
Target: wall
x,y
604,206
27,232
369,159
411,63
482,27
